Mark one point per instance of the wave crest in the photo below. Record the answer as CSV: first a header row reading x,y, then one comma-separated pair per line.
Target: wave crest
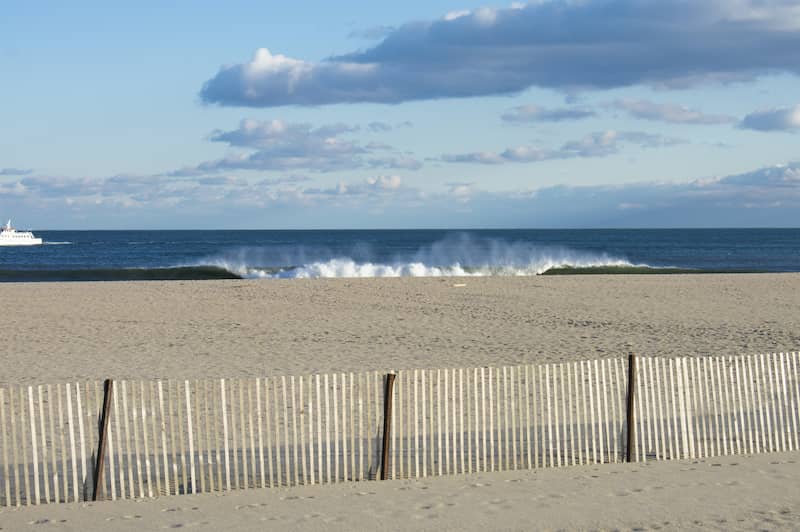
x,y
463,255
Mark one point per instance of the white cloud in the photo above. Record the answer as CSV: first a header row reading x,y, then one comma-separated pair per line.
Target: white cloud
x,y
768,196
15,171
560,44
453,15
667,112
778,119
532,113
283,146
597,144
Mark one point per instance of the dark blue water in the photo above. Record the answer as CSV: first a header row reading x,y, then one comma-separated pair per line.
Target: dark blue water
x,y
111,255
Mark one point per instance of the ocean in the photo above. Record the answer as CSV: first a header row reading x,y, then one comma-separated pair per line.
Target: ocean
x,y
176,255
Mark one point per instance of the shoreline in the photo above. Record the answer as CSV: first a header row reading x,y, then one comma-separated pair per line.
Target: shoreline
x,y
212,273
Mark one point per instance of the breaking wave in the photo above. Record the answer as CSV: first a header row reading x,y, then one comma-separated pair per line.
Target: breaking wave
x,y
456,256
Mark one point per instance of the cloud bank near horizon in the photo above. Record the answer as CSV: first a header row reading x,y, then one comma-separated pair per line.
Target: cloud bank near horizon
x,y
558,44
767,196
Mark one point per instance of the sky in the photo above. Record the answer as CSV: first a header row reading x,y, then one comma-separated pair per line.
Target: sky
x,y
357,114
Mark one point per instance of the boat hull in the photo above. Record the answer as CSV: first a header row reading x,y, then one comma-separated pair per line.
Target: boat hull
x,y
26,242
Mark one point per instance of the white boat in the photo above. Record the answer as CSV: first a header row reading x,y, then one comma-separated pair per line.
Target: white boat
x,y
11,237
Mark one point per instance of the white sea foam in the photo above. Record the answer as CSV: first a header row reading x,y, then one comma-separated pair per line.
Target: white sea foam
x,y
462,255
46,243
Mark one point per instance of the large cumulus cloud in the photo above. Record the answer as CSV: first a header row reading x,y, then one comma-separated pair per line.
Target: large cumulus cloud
x,y
558,44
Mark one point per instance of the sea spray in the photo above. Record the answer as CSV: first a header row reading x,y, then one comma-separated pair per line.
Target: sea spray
x,y
457,255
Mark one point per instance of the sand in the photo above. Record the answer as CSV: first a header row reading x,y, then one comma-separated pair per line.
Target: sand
x,y
55,332
728,493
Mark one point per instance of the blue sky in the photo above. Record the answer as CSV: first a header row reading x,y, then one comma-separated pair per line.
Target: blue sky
x,y
555,113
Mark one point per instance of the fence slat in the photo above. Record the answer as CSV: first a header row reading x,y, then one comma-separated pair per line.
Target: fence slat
x,y
353,405
144,440
280,469
640,407
765,392
461,418
361,427
345,456
794,408
137,451
268,433
615,403
34,451
556,417
163,427
286,435
72,446
752,420
410,441
311,469
484,429
505,446
584,423
295,442
253,475
15,446
43,442
671,421
190,433
796,397
701,409
415,400
4,438
780,376
243,433
154,428
740,410
684,429
729,417
306,477
571,372
787,413
424,435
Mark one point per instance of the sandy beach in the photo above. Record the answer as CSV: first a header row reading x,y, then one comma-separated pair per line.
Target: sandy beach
x,y
727,493
57,332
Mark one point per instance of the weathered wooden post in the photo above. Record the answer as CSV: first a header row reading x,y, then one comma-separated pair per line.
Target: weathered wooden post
x,y
108,386
629,449
387,424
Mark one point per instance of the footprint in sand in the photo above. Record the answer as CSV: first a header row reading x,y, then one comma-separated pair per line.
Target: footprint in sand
x,y
124,517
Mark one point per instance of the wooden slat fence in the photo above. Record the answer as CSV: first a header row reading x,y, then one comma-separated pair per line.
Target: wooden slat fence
x,y
194,436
